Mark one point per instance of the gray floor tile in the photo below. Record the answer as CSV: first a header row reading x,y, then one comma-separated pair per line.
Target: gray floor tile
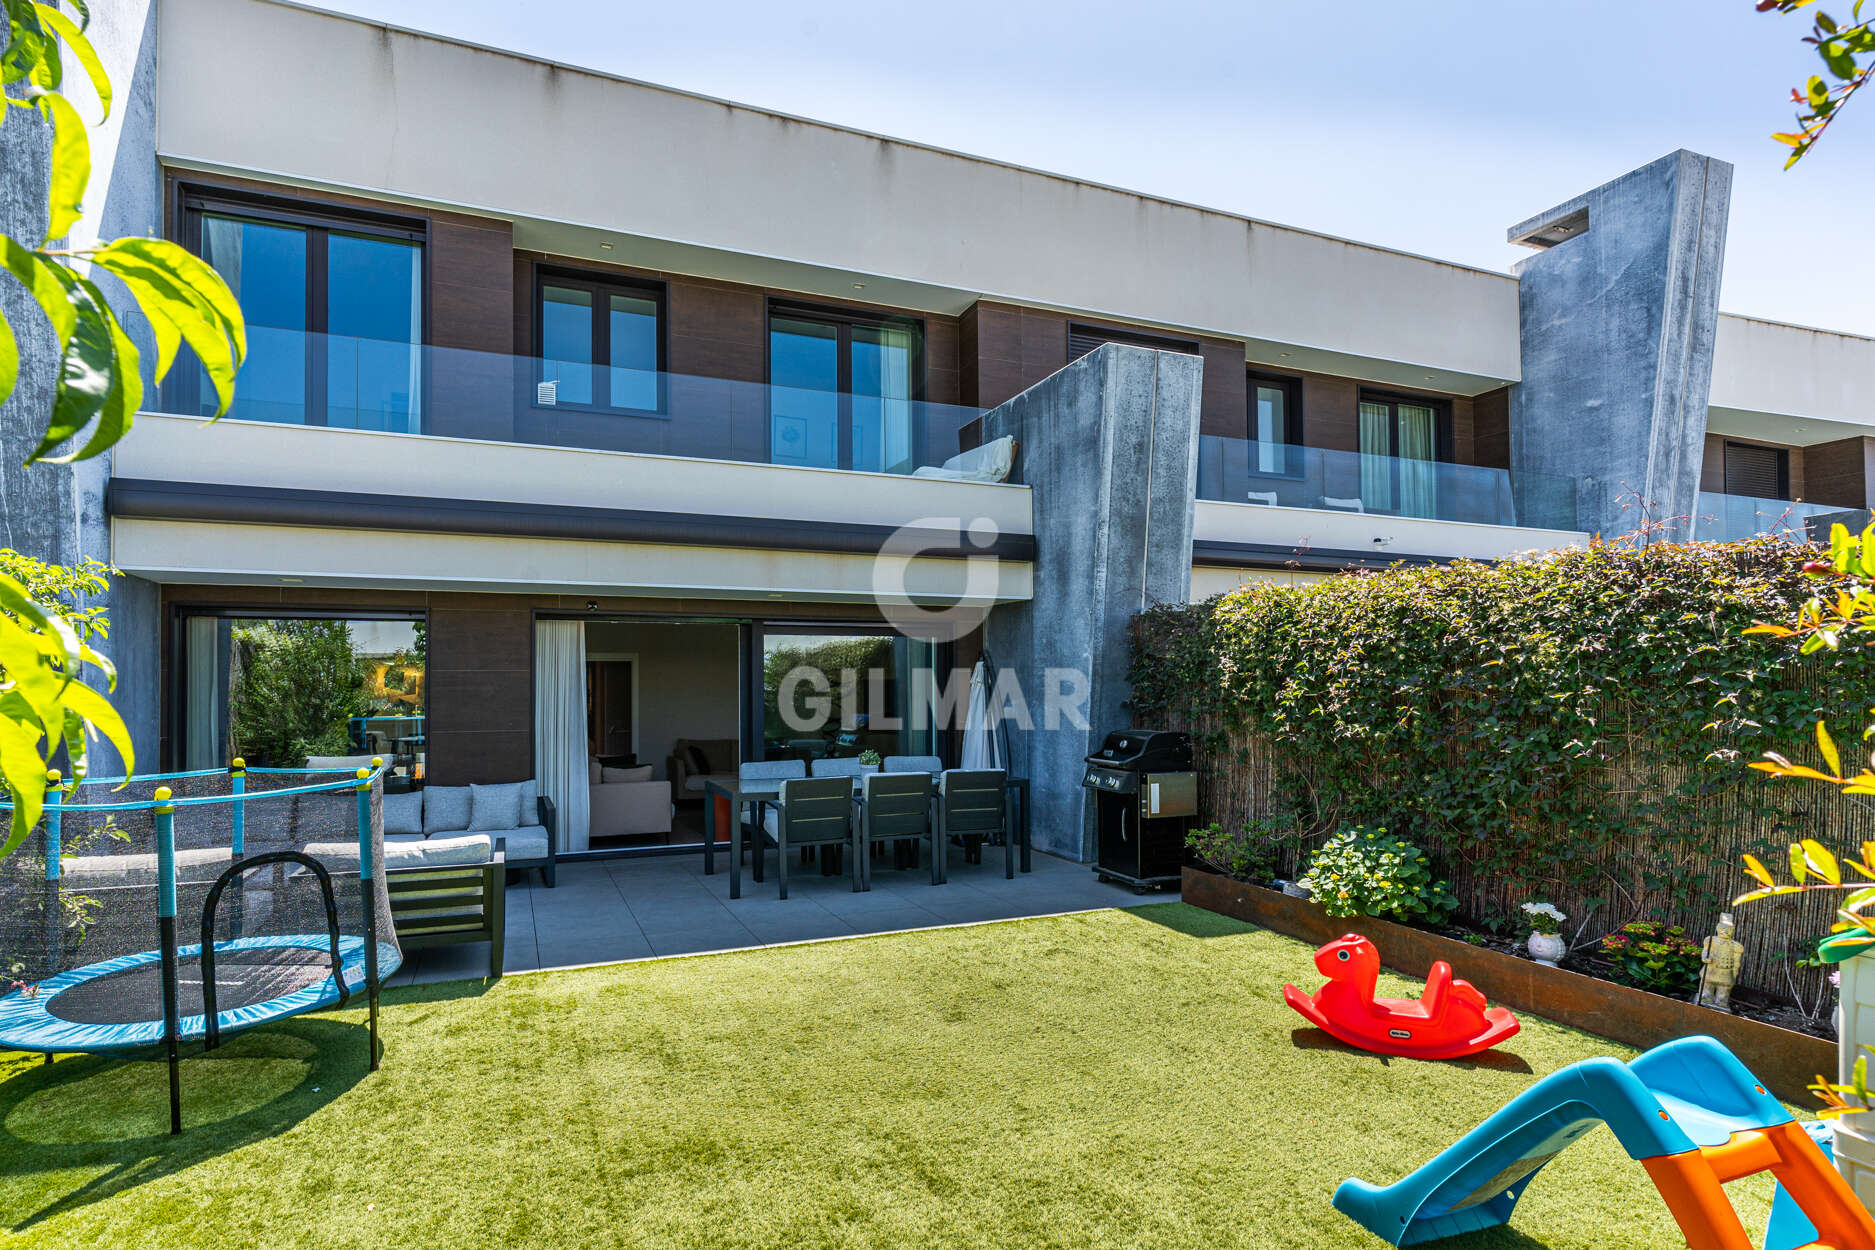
x,y
570,952
689,942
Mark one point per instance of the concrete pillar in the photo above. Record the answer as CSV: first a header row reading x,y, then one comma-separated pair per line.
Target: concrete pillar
x,y
1618,314
1109,446
53,512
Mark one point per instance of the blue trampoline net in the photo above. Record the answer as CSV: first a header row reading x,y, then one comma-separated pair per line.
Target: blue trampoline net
x,y
80,900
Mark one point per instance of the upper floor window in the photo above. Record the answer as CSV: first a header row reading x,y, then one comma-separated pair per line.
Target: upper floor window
x,y
1401,440
600,342
334,310
844,389
1275,424
1757,472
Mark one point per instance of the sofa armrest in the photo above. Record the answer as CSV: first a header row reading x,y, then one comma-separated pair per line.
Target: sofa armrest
x,y
550,821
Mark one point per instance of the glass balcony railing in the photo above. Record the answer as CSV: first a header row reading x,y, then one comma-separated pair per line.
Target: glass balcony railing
x,y
1283,475
1728,518
368,384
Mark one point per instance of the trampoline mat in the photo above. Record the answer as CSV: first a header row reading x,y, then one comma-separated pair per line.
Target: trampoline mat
x,y
242,979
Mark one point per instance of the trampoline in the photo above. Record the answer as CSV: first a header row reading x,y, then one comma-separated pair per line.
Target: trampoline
x,y
89,906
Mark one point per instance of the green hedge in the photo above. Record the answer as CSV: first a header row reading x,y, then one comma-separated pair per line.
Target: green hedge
x,y
1571,727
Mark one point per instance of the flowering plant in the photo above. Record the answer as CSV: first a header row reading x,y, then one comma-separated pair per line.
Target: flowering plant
x,y
1370,872
1544,917
1654,957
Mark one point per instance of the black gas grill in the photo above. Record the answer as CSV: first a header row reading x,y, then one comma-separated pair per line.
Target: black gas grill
x,y
1145,798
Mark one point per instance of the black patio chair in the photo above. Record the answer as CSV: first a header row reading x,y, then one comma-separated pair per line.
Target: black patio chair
x,y
896,808
973,806
815,811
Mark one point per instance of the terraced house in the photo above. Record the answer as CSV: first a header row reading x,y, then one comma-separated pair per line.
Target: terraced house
x,y
592,402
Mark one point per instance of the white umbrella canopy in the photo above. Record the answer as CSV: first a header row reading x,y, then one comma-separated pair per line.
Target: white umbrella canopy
x,y
985,744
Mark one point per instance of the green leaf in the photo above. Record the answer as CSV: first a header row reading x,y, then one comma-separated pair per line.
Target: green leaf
x,y
35,274
9,360
123,399
174,311
1827,746
85,373
71,166
191,271
87,56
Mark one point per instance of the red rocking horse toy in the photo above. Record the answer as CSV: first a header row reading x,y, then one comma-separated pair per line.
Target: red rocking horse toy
x,y
1449,1021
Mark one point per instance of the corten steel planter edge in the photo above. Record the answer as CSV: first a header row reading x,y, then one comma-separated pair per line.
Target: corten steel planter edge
x,y
1786,1061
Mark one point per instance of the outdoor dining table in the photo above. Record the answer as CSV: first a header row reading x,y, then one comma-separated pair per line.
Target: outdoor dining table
x,y
729,798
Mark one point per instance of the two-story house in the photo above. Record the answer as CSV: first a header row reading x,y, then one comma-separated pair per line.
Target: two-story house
x,y
594,403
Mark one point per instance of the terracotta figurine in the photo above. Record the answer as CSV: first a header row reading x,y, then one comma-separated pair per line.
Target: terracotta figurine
x,y
1723,955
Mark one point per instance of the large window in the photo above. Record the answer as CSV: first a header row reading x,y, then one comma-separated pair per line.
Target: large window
x,y
843,389
334,310
830,694
1401,440
277,691
600,342
1275,424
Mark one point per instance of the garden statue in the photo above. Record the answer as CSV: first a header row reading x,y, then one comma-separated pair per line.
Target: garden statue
x,y
1723,955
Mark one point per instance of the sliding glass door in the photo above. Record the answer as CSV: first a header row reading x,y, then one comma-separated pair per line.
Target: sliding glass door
x,y
836,693
843,390
1400,445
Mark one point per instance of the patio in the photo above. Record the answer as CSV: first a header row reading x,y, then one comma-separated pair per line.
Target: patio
x,y
641,908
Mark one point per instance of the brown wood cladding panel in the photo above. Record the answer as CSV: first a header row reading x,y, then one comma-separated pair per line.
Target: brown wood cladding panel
x,y
471,284
1225,407
1011,350
1330,413
1490,421
1842,472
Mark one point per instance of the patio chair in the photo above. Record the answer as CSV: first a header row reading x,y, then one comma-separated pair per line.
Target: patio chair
x,y
973,805
896,809
912,764
815,811
769,770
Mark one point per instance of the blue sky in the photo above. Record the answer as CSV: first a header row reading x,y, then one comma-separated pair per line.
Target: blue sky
x,y
1429,127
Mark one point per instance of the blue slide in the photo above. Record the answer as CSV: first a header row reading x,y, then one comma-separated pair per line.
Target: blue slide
x,y
1676,1098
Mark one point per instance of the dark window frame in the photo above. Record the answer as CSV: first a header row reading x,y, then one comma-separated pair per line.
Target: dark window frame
x,y
1444,449
600,285
320,220
843,319
1291,387
1783,466
1129,337
173,717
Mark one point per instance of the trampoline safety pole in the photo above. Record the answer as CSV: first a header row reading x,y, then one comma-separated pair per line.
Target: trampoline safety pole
x,y
55,926
368,890
166,931
237,783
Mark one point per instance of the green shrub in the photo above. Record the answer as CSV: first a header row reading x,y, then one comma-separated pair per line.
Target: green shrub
x,y
1256,852
1568,727
1654,957
1370,872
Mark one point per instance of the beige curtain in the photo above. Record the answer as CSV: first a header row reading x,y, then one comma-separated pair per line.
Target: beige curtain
x,y
560,726
1418,453
1376,457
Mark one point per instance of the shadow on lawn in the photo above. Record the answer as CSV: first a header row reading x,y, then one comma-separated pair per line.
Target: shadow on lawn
x,y
1187,919
1311,1038
92,1126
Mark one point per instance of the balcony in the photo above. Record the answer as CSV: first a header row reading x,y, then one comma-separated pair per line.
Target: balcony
x,y
295,378
1282,475
1729,518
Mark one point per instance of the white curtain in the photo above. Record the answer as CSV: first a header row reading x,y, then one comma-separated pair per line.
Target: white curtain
x,y
1376,457
1418,489
560,726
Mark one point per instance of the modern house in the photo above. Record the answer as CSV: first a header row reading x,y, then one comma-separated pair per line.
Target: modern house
x,y
643,435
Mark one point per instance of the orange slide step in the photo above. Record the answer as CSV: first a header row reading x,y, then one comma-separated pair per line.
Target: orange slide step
x,y
1692,1184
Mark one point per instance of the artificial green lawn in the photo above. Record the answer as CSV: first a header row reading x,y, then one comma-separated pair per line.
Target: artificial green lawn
x,y
1120,1078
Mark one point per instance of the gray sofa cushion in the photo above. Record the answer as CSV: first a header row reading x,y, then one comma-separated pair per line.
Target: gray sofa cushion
x,y
530,802
527,842
403,813
446,809
475,848
495,808
611,776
